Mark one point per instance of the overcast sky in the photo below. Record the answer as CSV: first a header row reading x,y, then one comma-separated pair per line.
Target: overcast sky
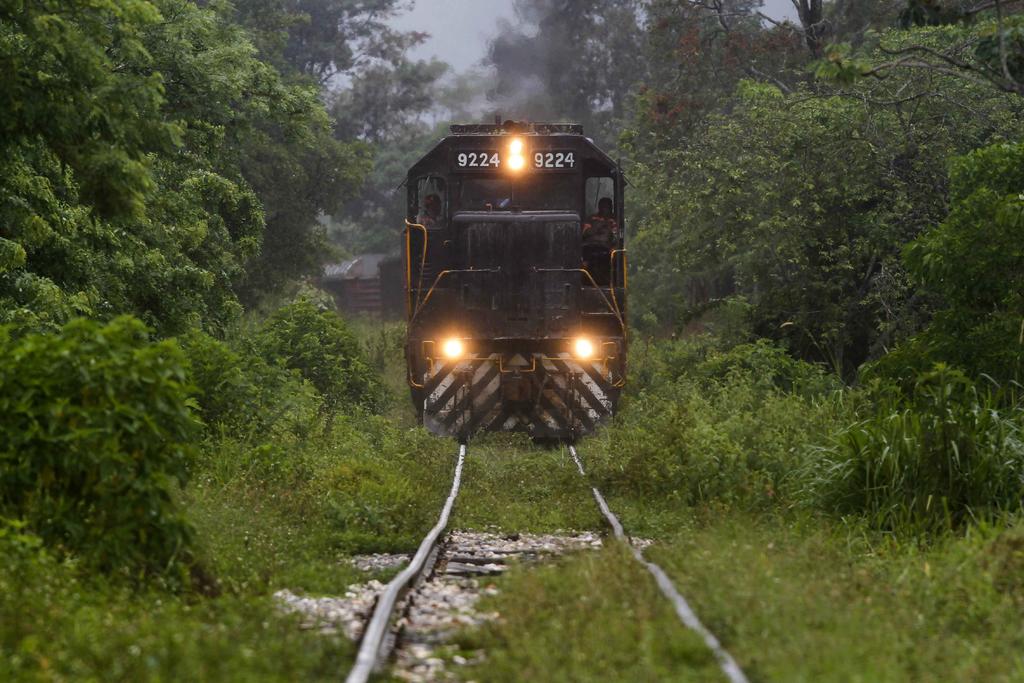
x,y
459,29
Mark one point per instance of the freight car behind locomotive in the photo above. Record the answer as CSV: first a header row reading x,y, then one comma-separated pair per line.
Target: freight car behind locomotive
x,y
515,282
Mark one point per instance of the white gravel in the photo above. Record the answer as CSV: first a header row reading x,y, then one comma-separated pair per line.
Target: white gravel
x,y
330,615
378,561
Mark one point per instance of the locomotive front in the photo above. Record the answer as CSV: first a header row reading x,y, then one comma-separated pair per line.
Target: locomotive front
x,y
515,282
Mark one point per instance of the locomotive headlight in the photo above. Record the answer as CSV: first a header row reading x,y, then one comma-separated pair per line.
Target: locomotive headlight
x,y
452,349
584,348
516,159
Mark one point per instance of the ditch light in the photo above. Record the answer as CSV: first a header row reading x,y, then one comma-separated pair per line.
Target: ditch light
x,y
453,349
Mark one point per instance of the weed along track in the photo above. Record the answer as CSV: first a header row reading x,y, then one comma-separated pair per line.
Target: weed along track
x,y
682,608
423,606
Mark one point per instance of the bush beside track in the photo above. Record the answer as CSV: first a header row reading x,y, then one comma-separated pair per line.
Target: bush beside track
x,y
125,513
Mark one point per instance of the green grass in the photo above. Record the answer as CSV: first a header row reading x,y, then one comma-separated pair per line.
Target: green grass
x,y
267,516
709,469
794,598
59,624
593,616
512,485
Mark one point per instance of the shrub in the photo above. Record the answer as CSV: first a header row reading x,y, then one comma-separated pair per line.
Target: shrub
x,y
708,360
727,429
767,365
96,429
319,345
949,454
974,263
241,394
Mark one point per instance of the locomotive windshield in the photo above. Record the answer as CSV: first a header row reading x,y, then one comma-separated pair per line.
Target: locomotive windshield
x,y
547,193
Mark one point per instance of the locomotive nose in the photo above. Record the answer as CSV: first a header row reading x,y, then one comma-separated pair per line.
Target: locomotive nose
x,y
534,259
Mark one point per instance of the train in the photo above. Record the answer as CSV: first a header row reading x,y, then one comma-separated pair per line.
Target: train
x,y
515,282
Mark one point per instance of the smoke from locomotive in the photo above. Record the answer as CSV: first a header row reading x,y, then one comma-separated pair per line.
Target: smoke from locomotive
x,y
515,282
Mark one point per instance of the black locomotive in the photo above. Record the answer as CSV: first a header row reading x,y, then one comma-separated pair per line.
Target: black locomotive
x,y
515,282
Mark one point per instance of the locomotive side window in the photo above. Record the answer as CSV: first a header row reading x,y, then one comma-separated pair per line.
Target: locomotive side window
x,y
598,188
431,201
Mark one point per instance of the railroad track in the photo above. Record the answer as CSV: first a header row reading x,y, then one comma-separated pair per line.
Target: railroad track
x,y
378,638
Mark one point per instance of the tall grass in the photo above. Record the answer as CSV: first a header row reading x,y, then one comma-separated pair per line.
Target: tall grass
x,y
702,424
948,455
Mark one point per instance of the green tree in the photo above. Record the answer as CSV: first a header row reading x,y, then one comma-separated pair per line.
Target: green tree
x,y
801,204
973,262
142,143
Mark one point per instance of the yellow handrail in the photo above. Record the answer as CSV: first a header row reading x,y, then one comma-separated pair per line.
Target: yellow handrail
x,y
502,370
437,280
611,270
614,309
408,264
625,274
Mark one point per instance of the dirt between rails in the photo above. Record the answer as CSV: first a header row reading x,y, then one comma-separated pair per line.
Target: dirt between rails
x,y
442,605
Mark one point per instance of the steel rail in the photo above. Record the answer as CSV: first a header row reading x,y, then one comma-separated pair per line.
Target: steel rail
x,y
683,610
370,649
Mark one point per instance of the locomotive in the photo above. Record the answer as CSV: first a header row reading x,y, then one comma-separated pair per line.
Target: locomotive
x,y
515,282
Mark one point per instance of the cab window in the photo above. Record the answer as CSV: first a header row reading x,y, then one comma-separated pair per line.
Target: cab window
x,y
598,188
430,203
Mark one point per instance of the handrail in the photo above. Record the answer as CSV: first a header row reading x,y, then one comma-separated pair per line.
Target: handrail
x,y
437,280
613,309
408,263
625,280
502,370
611,270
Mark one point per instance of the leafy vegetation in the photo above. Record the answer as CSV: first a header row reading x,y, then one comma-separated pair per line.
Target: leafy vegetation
x,y
950,455
57,624
825,382
794,598
318,345
973,263
94,451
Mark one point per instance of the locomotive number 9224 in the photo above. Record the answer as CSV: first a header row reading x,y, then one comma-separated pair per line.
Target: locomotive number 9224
x,y
554,160
484,159
487,159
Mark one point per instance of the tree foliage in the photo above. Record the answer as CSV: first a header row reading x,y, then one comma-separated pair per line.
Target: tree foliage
x,y
802,203
139,141
319,346
381,104
973,263
91,452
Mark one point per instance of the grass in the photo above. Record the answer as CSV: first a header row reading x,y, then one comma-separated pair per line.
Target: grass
x,y
284,512
512,485
594,616
802,600
793,597
58,624
707,466
259,528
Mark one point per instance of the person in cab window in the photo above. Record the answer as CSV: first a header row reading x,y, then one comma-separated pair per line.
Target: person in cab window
x,y
431,211
600,235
